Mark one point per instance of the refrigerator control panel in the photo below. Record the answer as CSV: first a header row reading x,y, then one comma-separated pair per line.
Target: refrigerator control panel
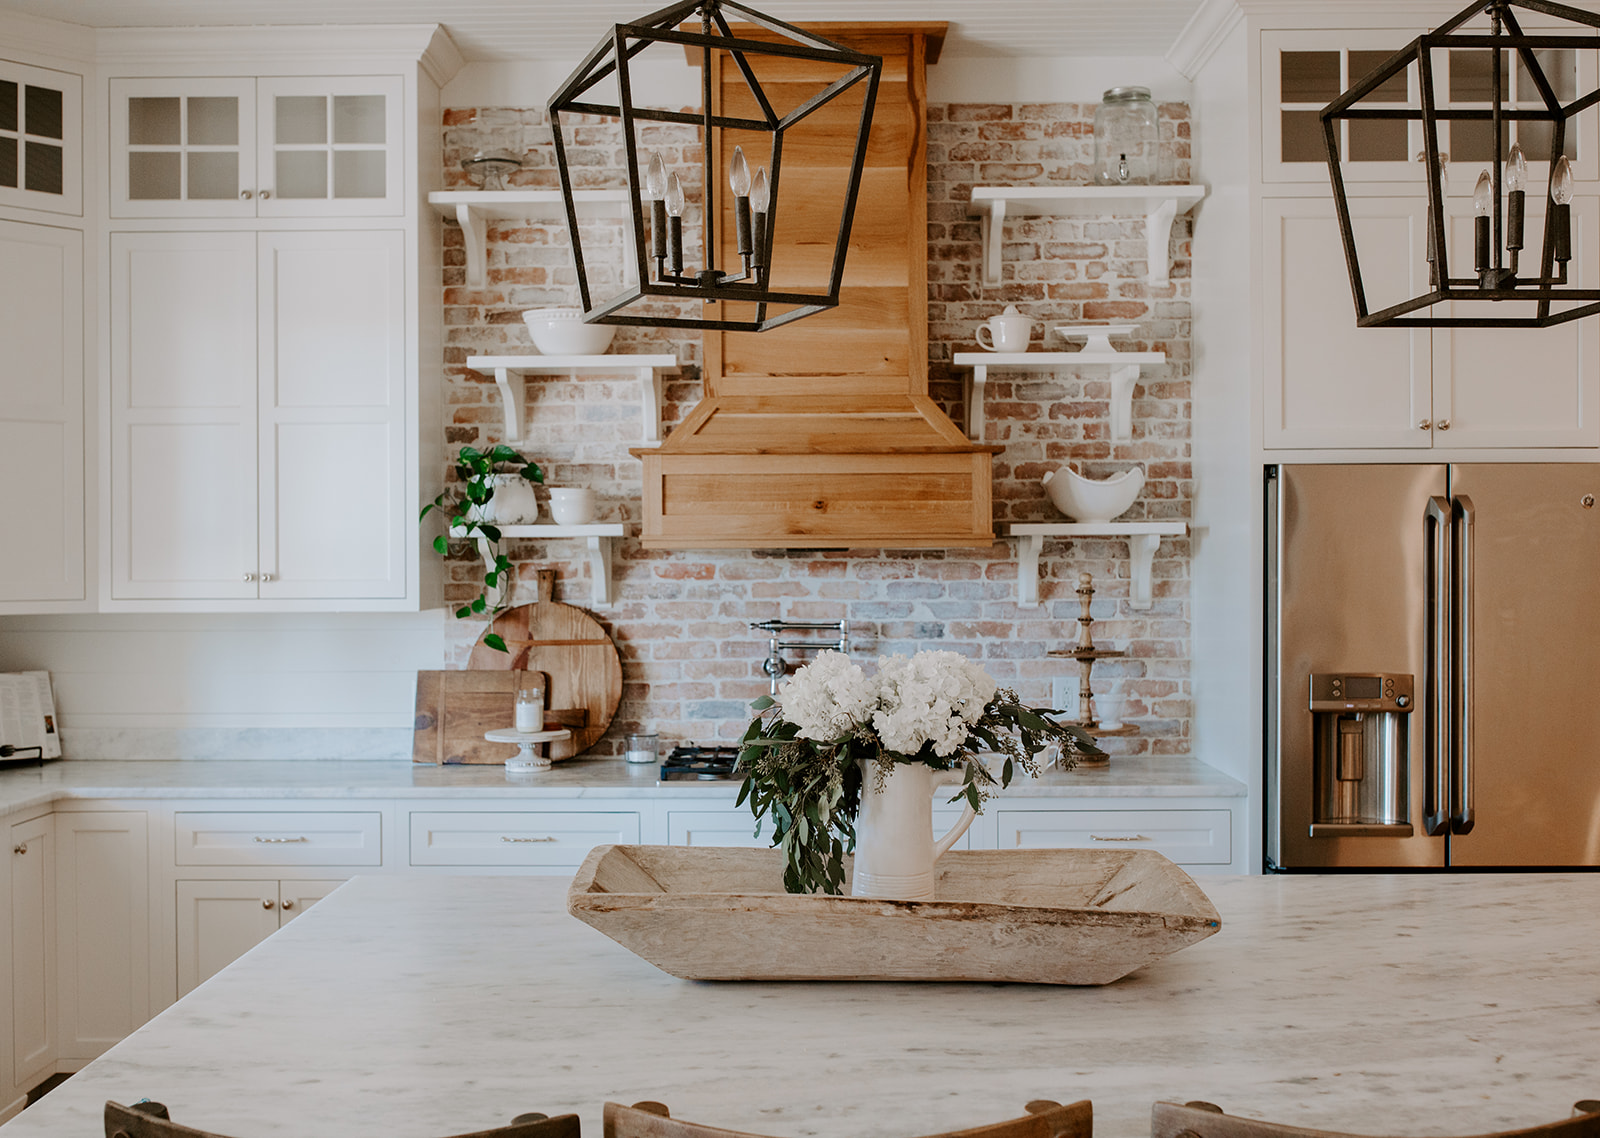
x,y
1360,691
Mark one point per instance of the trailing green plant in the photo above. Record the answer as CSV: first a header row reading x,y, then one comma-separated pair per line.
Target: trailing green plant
x,y
804,763
463,506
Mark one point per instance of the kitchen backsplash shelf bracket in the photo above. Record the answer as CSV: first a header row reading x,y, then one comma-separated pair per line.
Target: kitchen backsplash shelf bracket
x,y
473,209
601,538
1125,369
1143,539
1159,205
648,369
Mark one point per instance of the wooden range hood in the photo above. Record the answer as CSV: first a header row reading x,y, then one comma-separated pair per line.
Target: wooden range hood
x,y
820,434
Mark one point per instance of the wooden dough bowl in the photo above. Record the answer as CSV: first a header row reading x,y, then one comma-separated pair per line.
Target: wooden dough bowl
x,y
1031,916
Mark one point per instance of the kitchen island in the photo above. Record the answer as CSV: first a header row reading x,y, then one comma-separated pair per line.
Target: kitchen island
x,y
413,1007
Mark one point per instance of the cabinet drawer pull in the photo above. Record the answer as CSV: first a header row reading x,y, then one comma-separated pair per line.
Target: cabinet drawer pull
x,y
287,905
20,848
503,838
279,841
1134,838
267,903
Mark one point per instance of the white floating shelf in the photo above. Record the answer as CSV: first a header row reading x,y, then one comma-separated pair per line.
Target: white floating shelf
x,y
648,369
473,208
601,538
1158,205
1124,374
1143,538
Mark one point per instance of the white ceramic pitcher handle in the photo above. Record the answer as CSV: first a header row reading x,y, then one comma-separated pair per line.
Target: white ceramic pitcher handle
x,y
954,836
978,335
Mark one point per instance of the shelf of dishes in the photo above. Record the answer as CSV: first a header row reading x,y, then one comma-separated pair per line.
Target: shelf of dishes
x,y
1143,539
600,537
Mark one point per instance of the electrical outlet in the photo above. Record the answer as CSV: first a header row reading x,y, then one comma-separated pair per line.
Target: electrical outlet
x,y
1064,695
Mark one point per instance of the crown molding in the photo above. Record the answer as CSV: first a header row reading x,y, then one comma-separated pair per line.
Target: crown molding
x,y
442,59
341,46
1202,35
26,35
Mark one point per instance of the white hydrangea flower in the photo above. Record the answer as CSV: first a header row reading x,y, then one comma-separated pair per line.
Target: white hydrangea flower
x,y
827,697
930,697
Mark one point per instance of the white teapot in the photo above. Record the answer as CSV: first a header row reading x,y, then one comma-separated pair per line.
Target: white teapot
x,y
1008,332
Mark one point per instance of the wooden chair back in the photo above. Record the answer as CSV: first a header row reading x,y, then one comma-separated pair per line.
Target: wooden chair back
x,y
1044,1119
151,1120
1206,1120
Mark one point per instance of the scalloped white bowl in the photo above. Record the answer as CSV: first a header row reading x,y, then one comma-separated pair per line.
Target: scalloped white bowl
x,y
562,332
1089,499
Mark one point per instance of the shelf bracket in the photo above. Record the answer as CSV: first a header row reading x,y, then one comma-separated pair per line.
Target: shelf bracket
x,y
1123,380
600,581
475,233
511,403
650,379
1029,546
1141,556
994,223
1158,235
601,550
975,385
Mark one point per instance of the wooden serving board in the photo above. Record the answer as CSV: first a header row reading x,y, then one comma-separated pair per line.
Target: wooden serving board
x,y
1069,916
454,709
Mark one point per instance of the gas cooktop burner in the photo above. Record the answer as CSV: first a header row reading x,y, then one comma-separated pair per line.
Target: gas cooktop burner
x,y
704,763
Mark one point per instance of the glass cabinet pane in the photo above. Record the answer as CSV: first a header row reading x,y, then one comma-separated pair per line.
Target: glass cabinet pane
x,y
358,119
1364,63
1560,68
1378,140
1303,138
358,174
8,162
42,117
8,105
302,173
1309,76
44,167
213,120
154,175
301,120
214,174
154,122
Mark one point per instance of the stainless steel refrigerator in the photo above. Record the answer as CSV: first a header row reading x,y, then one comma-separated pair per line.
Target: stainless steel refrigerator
x,y
1433,666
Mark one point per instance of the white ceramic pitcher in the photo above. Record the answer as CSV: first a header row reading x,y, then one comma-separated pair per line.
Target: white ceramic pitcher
x,y
895,850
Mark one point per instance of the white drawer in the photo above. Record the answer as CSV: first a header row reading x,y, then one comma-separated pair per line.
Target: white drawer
x,y
273,838
553,839
737,828
1189,837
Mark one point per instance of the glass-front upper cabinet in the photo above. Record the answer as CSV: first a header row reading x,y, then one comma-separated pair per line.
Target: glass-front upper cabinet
x,y
41,138
1304,71
281,147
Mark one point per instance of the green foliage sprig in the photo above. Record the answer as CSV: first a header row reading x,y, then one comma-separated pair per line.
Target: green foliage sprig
x,y
463,507
811,789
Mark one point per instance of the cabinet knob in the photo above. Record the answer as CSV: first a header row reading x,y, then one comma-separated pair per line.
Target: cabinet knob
x,y
1444,424
266,577
249,577
245,195
1424,424
287,905
20,848
265,194
267,902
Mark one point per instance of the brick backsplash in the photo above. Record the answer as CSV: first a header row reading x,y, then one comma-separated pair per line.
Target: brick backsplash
x,y
690,662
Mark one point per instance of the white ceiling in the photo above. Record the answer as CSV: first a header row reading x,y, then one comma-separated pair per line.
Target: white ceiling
x,y
492,30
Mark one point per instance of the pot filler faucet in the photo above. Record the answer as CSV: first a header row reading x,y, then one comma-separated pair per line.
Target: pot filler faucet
x,y
775,665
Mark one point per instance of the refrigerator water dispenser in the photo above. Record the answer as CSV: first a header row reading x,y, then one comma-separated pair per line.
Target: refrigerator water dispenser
x,y
1359,746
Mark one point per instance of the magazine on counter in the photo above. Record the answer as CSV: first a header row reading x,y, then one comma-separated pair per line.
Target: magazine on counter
x,y
28,713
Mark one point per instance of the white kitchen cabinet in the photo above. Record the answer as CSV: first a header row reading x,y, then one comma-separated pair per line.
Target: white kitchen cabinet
x,y
1329,384
199,147
219,921
736,827
41,138
278,838
536,841
102,928
253,377
1188,837
41,414
33,951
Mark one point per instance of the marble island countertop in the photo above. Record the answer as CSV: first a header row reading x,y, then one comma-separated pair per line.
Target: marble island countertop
x,y
408,1007
28,786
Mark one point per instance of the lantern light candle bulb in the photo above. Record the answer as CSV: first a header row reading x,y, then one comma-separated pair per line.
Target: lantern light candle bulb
x,y
1516,185
739,183
1482,202
1561,196
674,207
655,191
760,199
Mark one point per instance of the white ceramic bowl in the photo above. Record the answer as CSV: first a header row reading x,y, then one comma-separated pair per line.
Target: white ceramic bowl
x,y
572,505
562,332
1092,500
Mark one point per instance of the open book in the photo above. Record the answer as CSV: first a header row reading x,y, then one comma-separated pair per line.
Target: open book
x,y
28,713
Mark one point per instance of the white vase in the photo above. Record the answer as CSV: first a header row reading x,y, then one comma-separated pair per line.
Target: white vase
x,y
895,850
514,502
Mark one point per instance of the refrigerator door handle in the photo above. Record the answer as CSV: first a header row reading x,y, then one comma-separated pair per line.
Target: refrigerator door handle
x,y
1461,725
1437,681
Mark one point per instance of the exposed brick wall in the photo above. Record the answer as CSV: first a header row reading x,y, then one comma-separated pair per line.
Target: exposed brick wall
x,y
690,663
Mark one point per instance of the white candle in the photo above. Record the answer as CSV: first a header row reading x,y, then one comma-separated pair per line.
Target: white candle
x,y
530,709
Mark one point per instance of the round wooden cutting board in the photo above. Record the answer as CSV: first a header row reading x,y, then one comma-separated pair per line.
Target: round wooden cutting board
x,y
583,672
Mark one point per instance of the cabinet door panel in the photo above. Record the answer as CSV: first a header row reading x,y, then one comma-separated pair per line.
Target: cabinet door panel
x,y
33,951
1327,383
1189,837
41,138
295,897
41,412
183,147
183,410
218,922
332,413
1519,387
104,929
331,147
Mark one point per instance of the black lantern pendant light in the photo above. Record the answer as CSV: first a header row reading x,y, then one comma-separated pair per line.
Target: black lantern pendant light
x,y
656,245
1499,195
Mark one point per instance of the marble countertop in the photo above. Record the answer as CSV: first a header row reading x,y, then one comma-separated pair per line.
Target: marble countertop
x,y
416,1006
25,787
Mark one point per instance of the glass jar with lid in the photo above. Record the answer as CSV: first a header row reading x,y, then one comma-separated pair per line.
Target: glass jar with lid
x,y
1126,141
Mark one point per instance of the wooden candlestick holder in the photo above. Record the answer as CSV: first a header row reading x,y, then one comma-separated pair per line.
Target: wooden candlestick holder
x,y
1086,654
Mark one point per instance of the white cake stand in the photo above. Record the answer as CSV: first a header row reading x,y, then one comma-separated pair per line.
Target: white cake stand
x,y
530,754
